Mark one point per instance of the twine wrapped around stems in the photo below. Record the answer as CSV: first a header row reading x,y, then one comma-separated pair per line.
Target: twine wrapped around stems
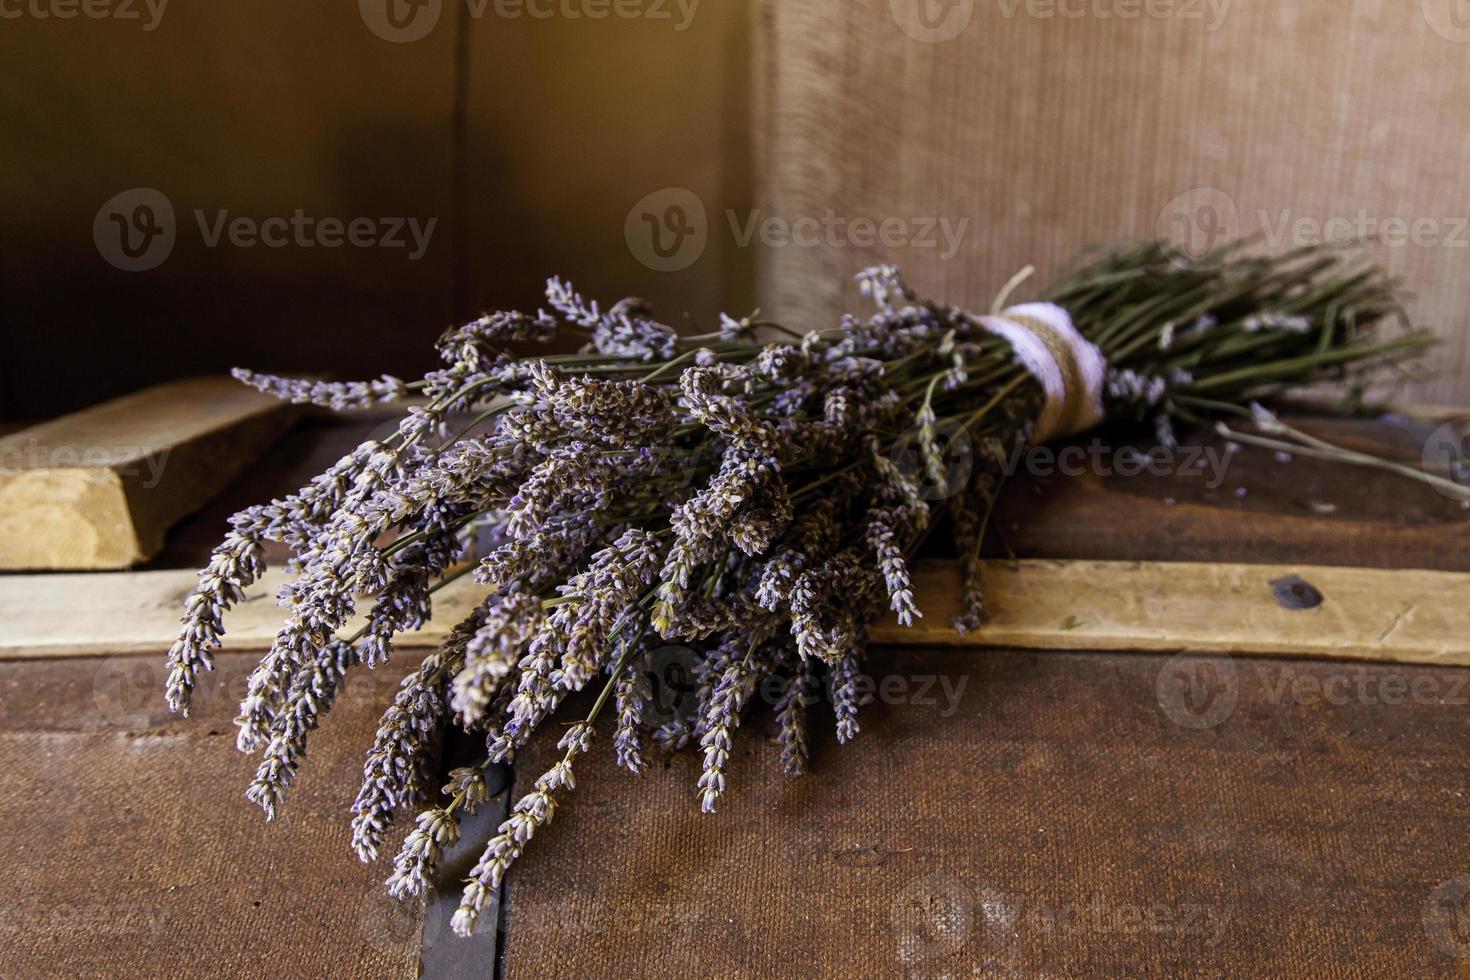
x,y
1069,368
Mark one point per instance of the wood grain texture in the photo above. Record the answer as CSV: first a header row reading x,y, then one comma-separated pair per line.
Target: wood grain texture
x,y
1248,507
1047,127
1411,616
100,487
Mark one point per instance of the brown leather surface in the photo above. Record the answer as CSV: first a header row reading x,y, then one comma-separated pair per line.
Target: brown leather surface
x,y
1058,823
130,850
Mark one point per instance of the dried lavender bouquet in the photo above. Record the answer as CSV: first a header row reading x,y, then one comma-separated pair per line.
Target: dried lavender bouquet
x,y
751,499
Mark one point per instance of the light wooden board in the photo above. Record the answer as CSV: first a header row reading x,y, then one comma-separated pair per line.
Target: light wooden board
x,y
1367,614
100,487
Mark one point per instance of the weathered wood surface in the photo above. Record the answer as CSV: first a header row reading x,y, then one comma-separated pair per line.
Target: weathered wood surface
x,y
1411,616
99,488
1215,505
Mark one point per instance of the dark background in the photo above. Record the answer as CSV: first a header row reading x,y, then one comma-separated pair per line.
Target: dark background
x,y
531,140
527,140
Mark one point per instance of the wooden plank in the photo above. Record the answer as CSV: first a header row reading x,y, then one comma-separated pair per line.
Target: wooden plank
x,y
98,488
1410,616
